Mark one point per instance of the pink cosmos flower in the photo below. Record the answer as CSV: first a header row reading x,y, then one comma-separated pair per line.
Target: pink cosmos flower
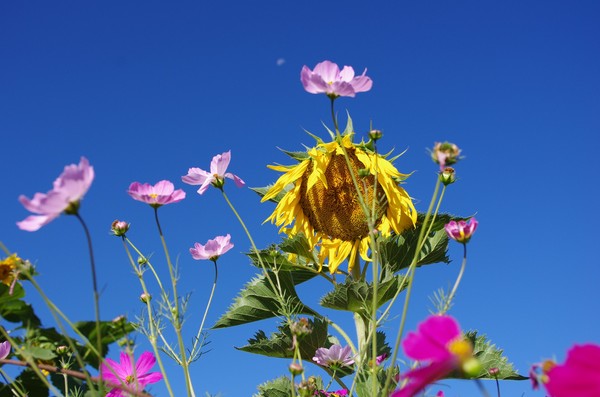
x,y
579,376
336,355
337,393
326,78
215,177
160,194
212,249
4,349
124,373
461,231
439,342
67,191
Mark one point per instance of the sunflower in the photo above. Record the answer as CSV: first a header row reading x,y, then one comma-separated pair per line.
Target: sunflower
x,y
8,269
323,202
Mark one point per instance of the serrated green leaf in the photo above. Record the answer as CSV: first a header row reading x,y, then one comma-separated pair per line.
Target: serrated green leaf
x,y
490,357
279,344
398,251
275,257
297,155
357,296
280,387
258,300
14,309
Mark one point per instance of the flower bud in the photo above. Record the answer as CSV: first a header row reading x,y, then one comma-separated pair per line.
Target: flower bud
x,y
472,367
494,371
62,349
447,176
301,327
142,261
119,228
363,173
445,154
145,297
295,369
375,134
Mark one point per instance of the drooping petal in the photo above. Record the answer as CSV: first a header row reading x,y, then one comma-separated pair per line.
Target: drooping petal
x,y
417,379
196,176
236,179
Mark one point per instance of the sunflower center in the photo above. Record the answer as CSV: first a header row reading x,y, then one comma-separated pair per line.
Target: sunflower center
x,y
335,210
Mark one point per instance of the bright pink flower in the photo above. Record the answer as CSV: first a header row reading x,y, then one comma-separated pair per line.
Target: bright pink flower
x,y
439,342
337,393
215,177
336,355
326,78
4,349
212,249
461,231
68,189
579,376
160,194
124,373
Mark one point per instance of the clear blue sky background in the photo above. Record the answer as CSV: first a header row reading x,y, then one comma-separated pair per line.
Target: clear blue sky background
x,y
147,89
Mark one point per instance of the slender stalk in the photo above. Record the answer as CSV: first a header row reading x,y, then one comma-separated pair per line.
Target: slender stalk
x,y
94,284
335,124
457,282
177,324
212,293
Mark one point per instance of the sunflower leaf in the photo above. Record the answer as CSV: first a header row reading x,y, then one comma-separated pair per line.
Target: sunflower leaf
x,y
490,357
279,344
357,296
398,251
263,190
258,300
280,387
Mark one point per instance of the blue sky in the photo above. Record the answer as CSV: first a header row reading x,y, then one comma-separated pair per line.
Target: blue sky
x,y
146,90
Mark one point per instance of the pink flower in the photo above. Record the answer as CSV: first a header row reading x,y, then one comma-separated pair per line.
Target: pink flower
x,y
124,373
67,191
326,78
337,393
212,249
579,376
461,231
160,194
215,177
438,341
335,356
4,349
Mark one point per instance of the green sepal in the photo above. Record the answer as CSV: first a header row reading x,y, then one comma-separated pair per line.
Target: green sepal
x,y
490,357
279,344
398,251
297,155
258,301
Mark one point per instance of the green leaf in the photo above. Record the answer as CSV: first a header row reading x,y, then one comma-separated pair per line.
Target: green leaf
x,y
263,190
357,296
30,382
37,352
258,300
111,331
490,357
280,387
279,344
398,251
273,258
14,309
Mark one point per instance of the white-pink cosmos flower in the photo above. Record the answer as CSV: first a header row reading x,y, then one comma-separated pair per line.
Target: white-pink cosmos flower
x,y
67,191
160,194
326,78
461,231
334,356
4,349
212,249
216,176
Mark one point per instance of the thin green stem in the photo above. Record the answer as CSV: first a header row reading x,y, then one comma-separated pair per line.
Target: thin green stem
x,y
176,317
212,293
94,284
457,282
335,124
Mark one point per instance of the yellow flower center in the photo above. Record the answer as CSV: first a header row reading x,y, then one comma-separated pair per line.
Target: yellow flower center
x,y
153,195
462,349
129,379
335,209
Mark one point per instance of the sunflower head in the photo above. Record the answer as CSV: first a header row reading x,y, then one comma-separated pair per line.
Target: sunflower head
x,y
334,194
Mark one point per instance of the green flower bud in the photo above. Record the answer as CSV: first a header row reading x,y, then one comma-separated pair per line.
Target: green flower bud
x,y
472,367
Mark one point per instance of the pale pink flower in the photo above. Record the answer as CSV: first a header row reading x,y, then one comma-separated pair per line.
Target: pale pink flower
x,y
215,177
124,373
334,356
160,194
579,376
326,78
461,231
67,191
438,341
212,249
4,349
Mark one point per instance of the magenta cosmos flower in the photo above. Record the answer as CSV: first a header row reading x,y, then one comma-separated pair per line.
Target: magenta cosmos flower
x,y
579,376
67,191
215,177
212,249
461,231
326,78
124,373
335,356
439,342
160,194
